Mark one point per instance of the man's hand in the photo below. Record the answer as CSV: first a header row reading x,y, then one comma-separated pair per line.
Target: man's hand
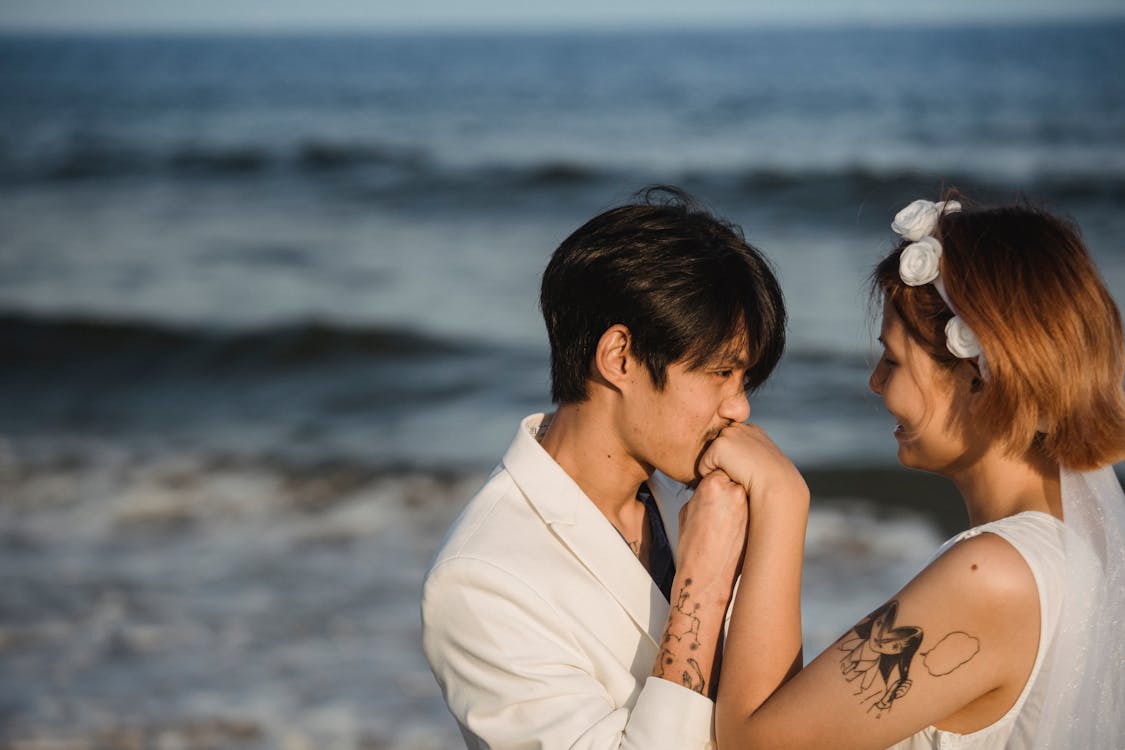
x,y
712,539
713,532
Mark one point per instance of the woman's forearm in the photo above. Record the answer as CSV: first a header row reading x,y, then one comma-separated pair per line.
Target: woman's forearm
x,y
763,647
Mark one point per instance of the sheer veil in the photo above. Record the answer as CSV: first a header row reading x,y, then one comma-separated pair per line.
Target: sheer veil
x,y
1086,664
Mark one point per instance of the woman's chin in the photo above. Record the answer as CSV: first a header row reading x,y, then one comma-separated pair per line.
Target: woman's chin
x,y
909,458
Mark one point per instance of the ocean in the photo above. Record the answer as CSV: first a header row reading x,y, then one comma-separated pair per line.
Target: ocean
x,y
268,314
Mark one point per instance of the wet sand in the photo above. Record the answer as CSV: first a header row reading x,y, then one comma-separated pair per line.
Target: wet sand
x,y
890,491
893,490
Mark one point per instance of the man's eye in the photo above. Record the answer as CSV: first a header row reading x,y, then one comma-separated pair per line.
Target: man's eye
x,y
724,373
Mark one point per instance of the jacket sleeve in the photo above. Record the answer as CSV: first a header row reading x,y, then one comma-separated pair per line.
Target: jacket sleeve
x,y
514,677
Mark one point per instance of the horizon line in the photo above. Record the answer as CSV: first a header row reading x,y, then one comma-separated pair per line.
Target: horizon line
x,y
357,28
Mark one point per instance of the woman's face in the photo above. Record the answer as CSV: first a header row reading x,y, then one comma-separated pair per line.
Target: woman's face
x,y
928,402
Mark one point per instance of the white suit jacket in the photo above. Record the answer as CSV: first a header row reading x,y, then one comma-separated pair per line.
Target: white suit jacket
x,y
542,627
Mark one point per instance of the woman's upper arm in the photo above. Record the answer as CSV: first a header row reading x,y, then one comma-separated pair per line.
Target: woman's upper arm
x,y
967,626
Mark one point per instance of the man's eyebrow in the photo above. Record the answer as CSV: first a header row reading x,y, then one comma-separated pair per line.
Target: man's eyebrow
x,y
733,361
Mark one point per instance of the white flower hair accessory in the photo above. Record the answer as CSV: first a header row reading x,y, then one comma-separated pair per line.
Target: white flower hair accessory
x,y
961,341
920,264
920,218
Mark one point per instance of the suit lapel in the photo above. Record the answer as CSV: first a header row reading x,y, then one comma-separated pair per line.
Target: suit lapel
x,y
586,533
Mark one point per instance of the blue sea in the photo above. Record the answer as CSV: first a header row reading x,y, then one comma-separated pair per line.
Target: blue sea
x,y
268,314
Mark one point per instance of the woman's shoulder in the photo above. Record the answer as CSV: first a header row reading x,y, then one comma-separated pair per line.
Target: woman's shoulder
x,y
1013,548
994,564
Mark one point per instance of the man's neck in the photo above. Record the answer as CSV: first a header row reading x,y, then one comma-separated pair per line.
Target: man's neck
x,y
583,441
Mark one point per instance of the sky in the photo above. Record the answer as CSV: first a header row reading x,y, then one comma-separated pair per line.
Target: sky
x,y
266,15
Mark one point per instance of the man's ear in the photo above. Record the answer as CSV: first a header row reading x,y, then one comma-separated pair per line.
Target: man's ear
x,y
613,357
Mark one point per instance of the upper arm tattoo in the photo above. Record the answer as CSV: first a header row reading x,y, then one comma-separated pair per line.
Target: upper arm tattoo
x,y
879,648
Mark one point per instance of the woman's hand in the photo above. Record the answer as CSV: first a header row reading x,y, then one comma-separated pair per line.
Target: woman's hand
x,y
747,455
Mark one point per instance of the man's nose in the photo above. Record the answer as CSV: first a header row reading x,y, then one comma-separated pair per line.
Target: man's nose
x,y
735,407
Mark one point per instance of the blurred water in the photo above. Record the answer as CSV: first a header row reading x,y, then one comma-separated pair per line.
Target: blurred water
x,y
268,313
412,187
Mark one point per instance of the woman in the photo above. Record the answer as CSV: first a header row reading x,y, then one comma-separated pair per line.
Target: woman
x,y
1002,366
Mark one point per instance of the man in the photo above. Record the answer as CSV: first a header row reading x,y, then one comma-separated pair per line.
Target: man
x,y
555,614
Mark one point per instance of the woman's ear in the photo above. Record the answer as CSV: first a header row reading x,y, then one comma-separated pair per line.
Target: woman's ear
x,y
969,375
613,360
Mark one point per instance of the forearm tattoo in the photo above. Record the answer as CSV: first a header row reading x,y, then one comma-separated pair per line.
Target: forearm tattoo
x,y
878,648
691,677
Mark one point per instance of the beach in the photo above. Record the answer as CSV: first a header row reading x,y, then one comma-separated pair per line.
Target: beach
x,y
175,604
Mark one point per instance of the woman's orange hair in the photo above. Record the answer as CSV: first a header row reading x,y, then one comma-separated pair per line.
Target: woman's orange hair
x,y
1023,281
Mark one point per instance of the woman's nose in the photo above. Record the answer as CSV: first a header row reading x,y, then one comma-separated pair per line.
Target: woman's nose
x,y
875,382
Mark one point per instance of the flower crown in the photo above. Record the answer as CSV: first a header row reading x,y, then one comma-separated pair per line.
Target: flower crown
x,y
920,263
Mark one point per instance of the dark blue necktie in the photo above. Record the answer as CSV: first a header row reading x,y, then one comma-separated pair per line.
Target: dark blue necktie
x,y
661,566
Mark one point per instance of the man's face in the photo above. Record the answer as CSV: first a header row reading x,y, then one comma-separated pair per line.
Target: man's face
x,y
669,429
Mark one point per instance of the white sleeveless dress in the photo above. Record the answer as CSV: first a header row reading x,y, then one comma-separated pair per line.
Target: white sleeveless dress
x,y
1038,537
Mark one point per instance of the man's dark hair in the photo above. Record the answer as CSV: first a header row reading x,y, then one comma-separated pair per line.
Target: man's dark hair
x,y
684,282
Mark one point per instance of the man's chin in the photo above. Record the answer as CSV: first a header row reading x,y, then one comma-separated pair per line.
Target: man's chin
x,y
689,477
686,477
